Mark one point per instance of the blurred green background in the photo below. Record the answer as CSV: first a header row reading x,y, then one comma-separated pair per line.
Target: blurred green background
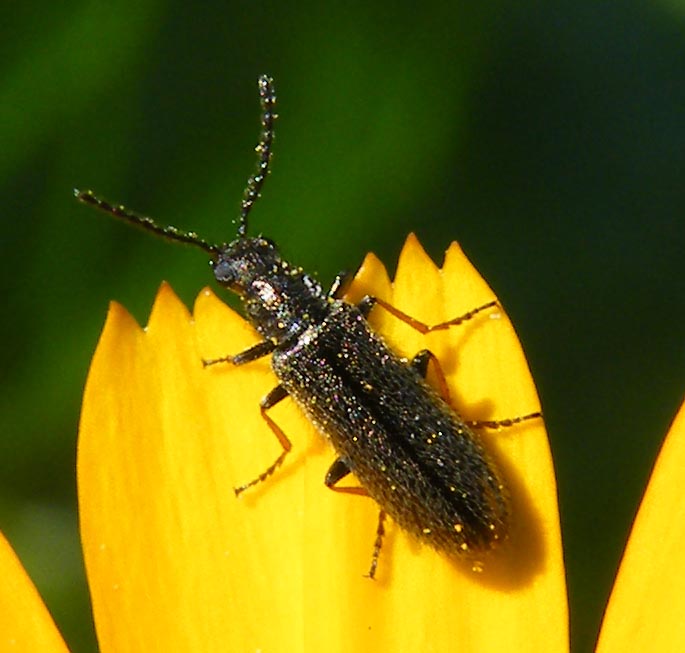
x,y
548,138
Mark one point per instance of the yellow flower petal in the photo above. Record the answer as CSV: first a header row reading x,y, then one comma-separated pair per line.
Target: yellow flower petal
x,y
25,624
176,562
645,612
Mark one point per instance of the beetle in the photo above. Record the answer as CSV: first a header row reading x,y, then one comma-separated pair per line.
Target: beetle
x,y
424,465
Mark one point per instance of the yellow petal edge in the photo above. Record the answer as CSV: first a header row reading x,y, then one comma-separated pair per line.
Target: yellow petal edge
x,y
176,563
25,624
646,608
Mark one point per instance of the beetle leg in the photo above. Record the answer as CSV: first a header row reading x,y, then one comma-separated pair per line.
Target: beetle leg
x,y
271,399
337,471
261,349
368,302
340,285
501,423
420,364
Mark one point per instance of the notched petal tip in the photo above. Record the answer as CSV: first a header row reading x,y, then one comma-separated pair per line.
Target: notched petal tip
x,y
371,279
458,269
417,273
454,250
118,316
413,253
167,308
207,302
220,330
206,293
372,265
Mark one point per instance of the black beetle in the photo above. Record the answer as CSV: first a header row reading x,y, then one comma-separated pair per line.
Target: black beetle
x,y
412,453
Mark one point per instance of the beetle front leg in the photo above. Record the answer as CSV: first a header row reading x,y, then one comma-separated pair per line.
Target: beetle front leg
x,y
498,424
340,285
261,349
368,302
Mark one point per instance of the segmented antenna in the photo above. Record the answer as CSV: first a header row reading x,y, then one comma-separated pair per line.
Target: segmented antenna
x,y
267,101
170,233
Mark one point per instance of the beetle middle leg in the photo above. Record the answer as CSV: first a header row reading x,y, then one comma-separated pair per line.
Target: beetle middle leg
x,y
277,394
420,364
336,472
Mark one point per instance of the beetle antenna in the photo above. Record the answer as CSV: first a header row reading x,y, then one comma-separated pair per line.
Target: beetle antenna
x,y
267,101
119,211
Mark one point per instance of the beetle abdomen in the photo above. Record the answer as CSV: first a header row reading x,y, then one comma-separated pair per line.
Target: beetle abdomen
x,y
408,448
